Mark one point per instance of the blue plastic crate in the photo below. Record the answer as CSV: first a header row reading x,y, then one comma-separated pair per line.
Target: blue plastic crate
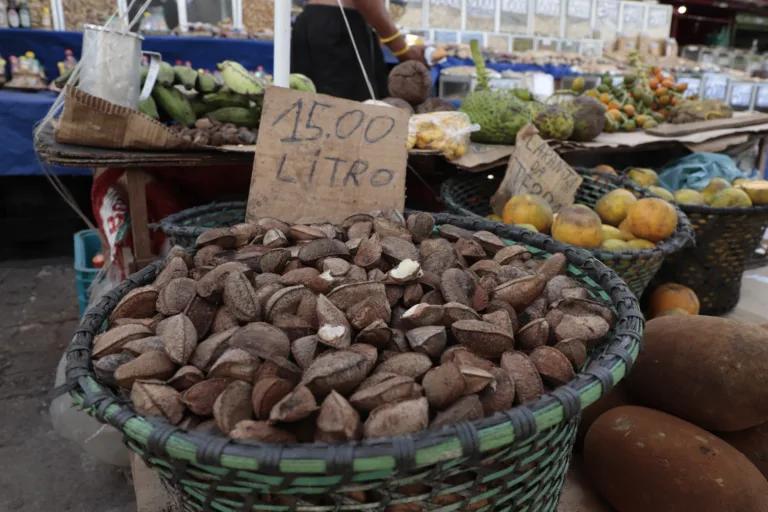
x,y
87,245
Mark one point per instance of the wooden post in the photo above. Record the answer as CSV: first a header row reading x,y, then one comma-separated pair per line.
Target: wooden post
x,y
137,203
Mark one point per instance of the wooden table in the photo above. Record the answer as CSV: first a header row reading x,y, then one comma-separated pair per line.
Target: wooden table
x,y
138,168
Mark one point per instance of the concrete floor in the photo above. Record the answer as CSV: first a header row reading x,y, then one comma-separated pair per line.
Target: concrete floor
x,y
41,471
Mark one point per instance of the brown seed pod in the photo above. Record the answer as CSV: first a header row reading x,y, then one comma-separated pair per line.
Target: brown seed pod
x,y
398,343
581,307
360,230
105,367
555,369
430,340
299,276
393,293
386,228
262,340
200,397
457,286
267,392
502,320
376,274
438,262
468,408
138,303
422,315
347,295
397,249
281,368
553,266
369,352
341,370
431,245
453,233
201,312
407,271
112,341
336,267
211,285
376,334
536,310
223,320
443,385
150,323
267,223
488,241
420,225
512,253
364,313
262,431
589,328
261,280
335,330
306,233
320,248
323,283
556,286
295,406
470,249
528,385
410,364
463,357
179,337
500,395
185,378
521,292
174,268
575,351
475,379
210,349
356,274
274,261
533,335
338,421
245,232
480,299
307,311
348,222
398,418
412,294
152,398
482,338
369,252
305,350
453,312
235,364
233,405
274,239
150,365
394,388
222,237
204,256
265,293
510,272
485,268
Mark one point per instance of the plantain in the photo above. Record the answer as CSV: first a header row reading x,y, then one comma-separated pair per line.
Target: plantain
x,y
237,78
63,78
226,99
199,107
238,116
165,75
184,76
149,108
206,83
300,82
174,104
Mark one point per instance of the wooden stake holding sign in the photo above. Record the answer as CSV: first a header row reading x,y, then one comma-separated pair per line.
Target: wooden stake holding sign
x,y
535,168
320,156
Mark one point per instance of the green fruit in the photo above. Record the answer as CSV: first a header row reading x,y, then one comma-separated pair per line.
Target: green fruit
x,y
226,99
199,107
237,78
648,100
300,82
63,78
578,84
173,102
206,83
184,76
148,107
165,75
589,118
606,80
659,118
554,122
604,88
629,125
523,94
610,126
238,116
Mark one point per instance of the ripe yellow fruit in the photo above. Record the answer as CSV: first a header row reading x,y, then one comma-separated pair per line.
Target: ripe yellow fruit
x,y
626,229
529,227
494,217
713,187
578,225
689,196
740,181
757,191
662,192
613,244
528,209
643,177
671,296
638,244
605,169
613,206
652,219
612,233
731,197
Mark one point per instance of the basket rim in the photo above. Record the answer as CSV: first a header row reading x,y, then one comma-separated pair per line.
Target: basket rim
x,y
170,225
403,452
683,236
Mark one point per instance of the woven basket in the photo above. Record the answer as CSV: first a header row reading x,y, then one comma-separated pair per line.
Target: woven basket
x,y
513,461
726,239
184,227
470,195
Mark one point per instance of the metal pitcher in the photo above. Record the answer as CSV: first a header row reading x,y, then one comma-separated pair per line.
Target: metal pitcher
x,y
110,66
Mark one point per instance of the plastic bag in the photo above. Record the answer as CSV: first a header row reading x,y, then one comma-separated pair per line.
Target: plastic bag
x,y
697,170
447,132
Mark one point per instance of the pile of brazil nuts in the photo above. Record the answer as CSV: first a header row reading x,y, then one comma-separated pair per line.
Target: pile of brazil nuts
x,y
379,326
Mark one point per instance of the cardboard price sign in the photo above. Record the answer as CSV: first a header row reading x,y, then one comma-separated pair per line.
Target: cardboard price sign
x,y
320,156
535,168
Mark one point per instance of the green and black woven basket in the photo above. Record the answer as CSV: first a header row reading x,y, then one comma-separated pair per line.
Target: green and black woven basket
x,y
513,461
184,227
470,195
726,239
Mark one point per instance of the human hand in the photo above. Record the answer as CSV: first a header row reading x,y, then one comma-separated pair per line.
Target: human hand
x,y
415,52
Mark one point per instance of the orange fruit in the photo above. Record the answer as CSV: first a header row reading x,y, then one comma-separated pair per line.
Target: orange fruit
x,y
668,83
578,225
528,209
673,296
652,219
682,87
614,206
613,105
615,114
605,98
640,119
661,91
664,100
653,83
629,110
607,169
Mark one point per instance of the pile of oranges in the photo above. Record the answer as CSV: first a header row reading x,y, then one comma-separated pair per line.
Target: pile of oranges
x,y
643,99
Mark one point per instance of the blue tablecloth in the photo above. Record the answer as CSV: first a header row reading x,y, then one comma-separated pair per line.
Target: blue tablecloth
x,y
557,72
19,112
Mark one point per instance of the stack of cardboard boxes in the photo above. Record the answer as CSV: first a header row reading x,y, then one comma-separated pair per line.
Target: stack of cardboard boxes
x,y
660,52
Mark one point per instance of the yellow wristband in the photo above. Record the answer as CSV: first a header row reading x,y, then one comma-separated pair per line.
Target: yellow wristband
x,y
401,52
389,39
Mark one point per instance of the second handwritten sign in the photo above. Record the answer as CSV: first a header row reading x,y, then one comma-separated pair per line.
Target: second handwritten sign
x,y
320,156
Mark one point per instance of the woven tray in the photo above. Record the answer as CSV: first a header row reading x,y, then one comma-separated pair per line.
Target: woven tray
x,y
470,195
184,227
513,461
726,239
